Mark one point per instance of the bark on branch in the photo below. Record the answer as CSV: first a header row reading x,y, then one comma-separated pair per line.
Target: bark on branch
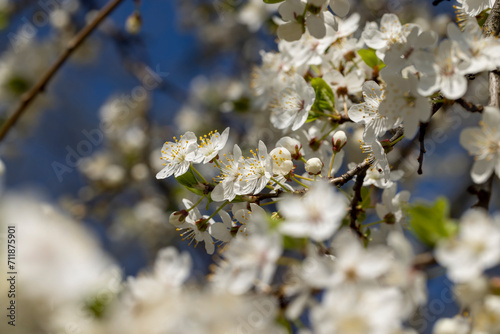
x,y
39,87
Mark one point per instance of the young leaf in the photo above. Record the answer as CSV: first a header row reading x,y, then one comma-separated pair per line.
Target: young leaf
x,y
432,223
371,59
325,99
189,181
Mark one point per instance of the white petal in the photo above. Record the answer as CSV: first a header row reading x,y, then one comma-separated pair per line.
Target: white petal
x,y
316,26
340,7
291,31
482,170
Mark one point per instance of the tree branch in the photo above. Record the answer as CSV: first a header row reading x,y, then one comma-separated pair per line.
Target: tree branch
x,y
355,209
421,140
491,27
483,193
343,179
421,135
39,87
470,106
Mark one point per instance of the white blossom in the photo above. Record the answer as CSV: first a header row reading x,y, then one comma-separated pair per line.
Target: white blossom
x,y
474,249
368,112
484,144
210,146
317,215
292,105
178,155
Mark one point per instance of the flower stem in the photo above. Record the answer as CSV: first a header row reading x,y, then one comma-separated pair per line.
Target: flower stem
x,y
218,209
331,165
198,173
269,203
196,204
397,140
281,185
374,223
303,185
303,177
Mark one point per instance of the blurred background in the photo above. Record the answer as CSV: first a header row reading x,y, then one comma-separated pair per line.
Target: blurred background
x,y
90,144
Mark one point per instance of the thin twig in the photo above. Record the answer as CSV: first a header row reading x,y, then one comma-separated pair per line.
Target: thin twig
x,y
39,87
355,209
437,2
483,193
344,178
421,140
421,135
470,106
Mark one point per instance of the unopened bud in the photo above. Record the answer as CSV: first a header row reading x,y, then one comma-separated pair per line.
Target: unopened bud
x,y
292,145
178,217
134,23
339,140
314,166
282,161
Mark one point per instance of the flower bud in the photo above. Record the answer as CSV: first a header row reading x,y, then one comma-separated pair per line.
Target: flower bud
x,y
314,166
134,23
178,217
339,140
292,145
282,161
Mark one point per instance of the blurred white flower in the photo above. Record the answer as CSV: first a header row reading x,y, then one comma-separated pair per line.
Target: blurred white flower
x,y
292,105
475,248
317,215
484,144
457,325
351,309
391,32
392,207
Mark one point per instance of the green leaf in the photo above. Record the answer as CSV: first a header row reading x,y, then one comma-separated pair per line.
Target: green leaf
x,y
370,58
294,243
4,20
431,223
273,1
189,181
325,99
366,197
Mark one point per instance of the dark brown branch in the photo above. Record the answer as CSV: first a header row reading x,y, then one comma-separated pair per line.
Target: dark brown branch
x,y
355,209
483,193
400,131
421,140
437,2
39,87
421,135
470,106
343,179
